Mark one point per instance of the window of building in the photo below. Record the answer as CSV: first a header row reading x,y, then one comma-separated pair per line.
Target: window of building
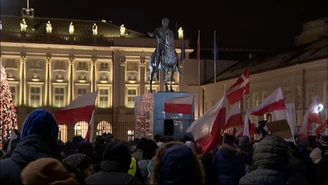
x,y
246,103
35,96
13,94
103,66
264,95
175,77
59,97
155,88
255,99
11,63
60,65
103,127
81,128
132,71
131,94
81,91
299,98
310,93
286,92
147,77
35,64
103,98
130,135
62,133
82,66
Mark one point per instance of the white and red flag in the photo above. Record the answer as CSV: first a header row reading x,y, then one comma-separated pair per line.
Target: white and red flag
x,y
241,87
179,105
234,117
274,102
207,129
311,116
249,127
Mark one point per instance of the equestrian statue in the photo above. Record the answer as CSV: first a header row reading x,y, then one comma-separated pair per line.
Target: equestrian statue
x,y
164,58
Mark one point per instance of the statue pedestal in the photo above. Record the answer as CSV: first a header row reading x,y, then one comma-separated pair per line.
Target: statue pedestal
x,y
150,119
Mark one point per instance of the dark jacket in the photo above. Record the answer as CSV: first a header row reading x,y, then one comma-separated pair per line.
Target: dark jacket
x,y
322,169
28,149
230,165
111,175
272,165
211,174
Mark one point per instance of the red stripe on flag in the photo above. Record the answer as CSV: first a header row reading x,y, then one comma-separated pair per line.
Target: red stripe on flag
x,y
72,116
278,105
178,108
234,120
237,95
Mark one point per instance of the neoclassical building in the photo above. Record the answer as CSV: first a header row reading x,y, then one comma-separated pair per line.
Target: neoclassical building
x,y
50,62
302,73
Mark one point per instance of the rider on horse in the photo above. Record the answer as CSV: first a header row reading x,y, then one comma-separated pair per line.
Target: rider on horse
x,y
160,34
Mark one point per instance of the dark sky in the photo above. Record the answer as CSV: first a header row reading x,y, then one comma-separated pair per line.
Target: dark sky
x,y
239,24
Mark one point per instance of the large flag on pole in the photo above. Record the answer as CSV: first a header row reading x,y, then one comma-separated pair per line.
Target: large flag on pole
x,y
249,127
274,102
234,117
311,116
89,134
179,105
241,87
207,129
80,109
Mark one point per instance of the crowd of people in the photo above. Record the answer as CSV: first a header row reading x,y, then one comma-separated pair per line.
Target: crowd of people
x,y
38,157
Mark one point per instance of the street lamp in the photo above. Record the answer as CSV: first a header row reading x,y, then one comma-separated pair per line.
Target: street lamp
x,y
180,33
320,107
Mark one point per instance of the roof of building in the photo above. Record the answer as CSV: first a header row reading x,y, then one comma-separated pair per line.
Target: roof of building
x,y
60,26
309,52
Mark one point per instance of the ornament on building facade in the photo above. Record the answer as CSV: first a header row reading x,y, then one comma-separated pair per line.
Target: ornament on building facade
x,y
104,78
82,78
35,77
122,61
48,27
59,76
95,29
122,30
71,28
180,33
142,61
23,25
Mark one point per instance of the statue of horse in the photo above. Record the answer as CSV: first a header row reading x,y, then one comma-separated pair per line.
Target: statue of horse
x,y
168,61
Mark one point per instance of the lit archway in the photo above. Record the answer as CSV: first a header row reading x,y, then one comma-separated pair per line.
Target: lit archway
x,y
103,127
81,128
62,133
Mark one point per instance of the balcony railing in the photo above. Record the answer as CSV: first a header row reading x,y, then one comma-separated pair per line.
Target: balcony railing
x,y
55,39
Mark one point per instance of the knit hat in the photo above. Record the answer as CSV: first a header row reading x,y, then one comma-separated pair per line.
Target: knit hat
x,y
316,155
41,123
46,171
119,152
78,160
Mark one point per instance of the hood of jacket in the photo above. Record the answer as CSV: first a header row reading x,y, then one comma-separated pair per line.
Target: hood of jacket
x,y
32,148
271,153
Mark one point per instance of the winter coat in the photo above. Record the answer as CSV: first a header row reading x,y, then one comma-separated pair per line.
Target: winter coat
x,y
28,149
322,169
272,165
229,162
111,175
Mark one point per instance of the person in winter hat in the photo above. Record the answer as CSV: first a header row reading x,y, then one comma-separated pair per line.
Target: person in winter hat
x,y
176,164
47,171
322,168
81,162
38,140
115,166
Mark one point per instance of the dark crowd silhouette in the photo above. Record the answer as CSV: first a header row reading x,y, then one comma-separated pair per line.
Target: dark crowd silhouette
x,y
38,157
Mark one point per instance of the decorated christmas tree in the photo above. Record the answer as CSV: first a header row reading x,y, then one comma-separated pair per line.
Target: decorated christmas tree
x,y
8,120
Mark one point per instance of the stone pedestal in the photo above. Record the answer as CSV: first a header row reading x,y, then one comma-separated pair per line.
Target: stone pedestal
x,y
150,117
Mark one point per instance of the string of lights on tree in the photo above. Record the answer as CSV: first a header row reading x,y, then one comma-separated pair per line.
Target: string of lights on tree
x,y
145,116
8,121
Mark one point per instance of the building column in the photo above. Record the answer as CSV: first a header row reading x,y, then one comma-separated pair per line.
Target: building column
x,y
24,84
70,80
142,75
47,84
93,71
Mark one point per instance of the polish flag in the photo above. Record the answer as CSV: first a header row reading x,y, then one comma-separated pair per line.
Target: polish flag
x,y
179,105
239,133
249,127
274,102
207,129
80,109
234,117
236,92
311,116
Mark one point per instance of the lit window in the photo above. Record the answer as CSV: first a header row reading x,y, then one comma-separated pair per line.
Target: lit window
x,y
310,94
60,65
82,66
35,96
130,135
81,91
104,66
13,94
62,133
103,98
103,127
255,99
59,97
81,128
132,93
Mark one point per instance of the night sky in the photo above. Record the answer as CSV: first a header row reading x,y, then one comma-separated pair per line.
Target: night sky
x,y
239,24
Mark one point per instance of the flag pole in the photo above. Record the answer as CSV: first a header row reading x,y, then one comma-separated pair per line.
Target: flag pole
x,y
214,60
198,61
